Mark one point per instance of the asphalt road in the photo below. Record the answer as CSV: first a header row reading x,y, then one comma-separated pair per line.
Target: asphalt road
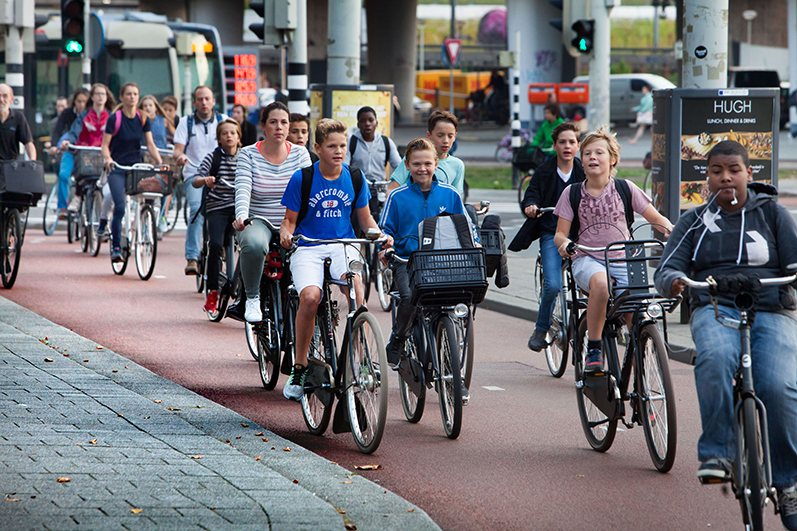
x,y
521,462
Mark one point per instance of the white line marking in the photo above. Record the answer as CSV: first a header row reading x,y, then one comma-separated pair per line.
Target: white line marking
x,y
159,276
492,388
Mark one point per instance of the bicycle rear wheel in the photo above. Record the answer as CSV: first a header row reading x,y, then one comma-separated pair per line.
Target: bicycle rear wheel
x,y
413,404
598,428
384,282
147,244
74,228
449,386
12,247
751,469
268,342
315,411
50,214
558,345
94,206
466,347
656,398
84,217
367,272
200,276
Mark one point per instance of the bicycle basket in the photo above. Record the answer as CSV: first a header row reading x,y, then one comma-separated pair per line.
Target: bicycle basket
x,y
527,157
148,181
177,171
447,276
88,163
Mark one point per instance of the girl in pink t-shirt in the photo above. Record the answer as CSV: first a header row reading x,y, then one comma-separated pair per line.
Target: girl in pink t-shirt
x,y
601,211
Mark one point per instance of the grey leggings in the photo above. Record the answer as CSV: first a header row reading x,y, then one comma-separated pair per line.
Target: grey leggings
x,y
254,241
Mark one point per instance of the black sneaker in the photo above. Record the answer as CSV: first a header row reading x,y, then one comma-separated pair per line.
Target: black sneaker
x,y
395,349
787,504
116,255
537,340
716,470
594,361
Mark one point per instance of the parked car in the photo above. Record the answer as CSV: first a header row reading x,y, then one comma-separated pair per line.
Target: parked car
x,y
751,77
625,91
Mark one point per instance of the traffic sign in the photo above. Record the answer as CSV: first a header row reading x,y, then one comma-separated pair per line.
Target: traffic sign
x,y
452,47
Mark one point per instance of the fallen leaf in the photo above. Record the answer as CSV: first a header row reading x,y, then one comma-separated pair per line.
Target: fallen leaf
x,y
196,457
341,511
85,361
351,527
99,347
580,475
238,437
273,447
239,355
78,444
114,370
126,367
227,441
295,481
174,409
369,467
333,462
348,482
245,425
48,360
265,439
93,441
259,434
12,499
46,338
66,355
136,511
410,510
64,480
158,401
120,415
258,458
286,449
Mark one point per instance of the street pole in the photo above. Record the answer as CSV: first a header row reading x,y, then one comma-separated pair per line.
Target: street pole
x,y
187,85
297,63
516,138
705,56
600,65
343,51
655,24
422,58
453,32
86,46
14,59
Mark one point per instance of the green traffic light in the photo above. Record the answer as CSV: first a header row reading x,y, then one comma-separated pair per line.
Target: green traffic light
x,y
582,45
73,47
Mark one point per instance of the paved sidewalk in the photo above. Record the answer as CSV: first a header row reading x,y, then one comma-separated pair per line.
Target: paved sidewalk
x,y
90,440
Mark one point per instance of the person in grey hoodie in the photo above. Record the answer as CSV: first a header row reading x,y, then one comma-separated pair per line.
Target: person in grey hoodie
x,y
741,230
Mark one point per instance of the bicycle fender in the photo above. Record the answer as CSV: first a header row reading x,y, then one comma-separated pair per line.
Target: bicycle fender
x,y
341,422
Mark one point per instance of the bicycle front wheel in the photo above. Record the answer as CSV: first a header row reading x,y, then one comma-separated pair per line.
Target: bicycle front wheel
x,y
521,191
50,215
558,345
466,348
751,469
366,382
120,267
367,271
413,404
449,384
384,281
94,206
599,429
268,342
317,412
656,398
147,242
251,340
12,248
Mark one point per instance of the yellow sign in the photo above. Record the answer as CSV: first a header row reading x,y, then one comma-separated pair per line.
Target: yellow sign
x,y
346,103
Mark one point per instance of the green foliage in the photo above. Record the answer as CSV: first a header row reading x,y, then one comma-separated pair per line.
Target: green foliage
x,y
621,68
638,33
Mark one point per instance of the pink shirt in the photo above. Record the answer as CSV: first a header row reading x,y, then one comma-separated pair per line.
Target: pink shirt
x,y
602,218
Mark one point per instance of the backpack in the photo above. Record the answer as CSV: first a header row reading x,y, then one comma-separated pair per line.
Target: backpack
x,y
191,127
575,202
353,147
215,165
307,184
445,231
118,123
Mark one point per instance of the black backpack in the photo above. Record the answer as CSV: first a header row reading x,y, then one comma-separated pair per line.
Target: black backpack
x,y
307,184
454,229
575,202
190,124
353,147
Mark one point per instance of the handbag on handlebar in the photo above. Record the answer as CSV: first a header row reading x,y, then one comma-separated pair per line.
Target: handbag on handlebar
x,y
21,181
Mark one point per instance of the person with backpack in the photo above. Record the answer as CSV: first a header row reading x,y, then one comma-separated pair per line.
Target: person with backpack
x,y
121,144
194,138
369,150
422,197
217,175
65,120
264,170
547,185
319,202
595,213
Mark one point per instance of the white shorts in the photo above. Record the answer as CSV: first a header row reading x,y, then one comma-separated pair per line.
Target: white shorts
x,y
307,263
586,266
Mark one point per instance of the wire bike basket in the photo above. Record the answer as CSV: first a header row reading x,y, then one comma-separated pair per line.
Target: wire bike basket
x,y
448,276
88,163
155,181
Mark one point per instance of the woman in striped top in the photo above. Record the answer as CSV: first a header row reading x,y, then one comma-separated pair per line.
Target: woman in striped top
x,y
219,199
263,172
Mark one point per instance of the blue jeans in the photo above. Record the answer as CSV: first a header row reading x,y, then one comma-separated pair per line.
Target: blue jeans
x,y
193,234
116,182
773,339
64,172
552,268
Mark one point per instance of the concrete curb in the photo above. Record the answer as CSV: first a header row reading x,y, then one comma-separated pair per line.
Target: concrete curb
x,y
366,505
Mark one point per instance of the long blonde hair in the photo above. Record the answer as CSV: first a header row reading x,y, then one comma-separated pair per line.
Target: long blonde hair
x,y
149,97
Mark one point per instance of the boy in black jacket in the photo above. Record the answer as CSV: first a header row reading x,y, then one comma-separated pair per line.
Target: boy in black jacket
x,y
743,230
547,184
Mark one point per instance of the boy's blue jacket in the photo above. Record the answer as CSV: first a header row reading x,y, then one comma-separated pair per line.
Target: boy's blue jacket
x,y
406,207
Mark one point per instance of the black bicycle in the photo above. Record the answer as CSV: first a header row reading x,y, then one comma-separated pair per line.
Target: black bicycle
x,y
355,374
84,221
602,395
19,178
751,476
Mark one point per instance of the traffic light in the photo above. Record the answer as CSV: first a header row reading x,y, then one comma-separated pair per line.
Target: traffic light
x,y
585,32
72,26
258,28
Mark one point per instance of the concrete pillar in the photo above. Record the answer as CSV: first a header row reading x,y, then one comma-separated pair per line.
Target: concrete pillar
x,y
391,48
705,56
541,58
343,50
297,63
14,60
599,66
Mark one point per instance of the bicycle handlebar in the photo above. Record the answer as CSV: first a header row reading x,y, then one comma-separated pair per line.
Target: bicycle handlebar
x,y
250,219
391,255
572,247
140,166
83,148
346,241
710,282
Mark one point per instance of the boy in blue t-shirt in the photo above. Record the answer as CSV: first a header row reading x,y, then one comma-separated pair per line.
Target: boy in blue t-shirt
x,y
328,217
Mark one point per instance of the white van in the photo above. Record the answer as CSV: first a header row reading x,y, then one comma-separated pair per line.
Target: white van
x,y
625,91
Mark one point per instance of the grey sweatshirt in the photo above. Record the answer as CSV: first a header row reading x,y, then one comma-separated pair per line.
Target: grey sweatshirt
x,y
760,238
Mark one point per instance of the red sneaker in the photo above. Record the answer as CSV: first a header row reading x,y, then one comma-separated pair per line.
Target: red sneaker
x,y
212,301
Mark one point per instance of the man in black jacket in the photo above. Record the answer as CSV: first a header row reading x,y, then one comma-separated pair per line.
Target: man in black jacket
x,y
547,184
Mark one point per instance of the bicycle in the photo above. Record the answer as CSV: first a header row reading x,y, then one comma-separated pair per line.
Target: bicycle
x,y
443,327
374,269
355,373
173,203
20,194
503,150
143,182
602,395
88,169
227,272
751,475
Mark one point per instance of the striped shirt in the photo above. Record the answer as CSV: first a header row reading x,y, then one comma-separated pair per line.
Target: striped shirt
x,y
223,195
259,184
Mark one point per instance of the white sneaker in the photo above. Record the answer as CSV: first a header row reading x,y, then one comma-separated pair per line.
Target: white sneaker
x,y
74,204
253,314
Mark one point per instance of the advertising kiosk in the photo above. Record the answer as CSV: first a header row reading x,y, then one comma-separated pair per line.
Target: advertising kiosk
x,y
342,102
